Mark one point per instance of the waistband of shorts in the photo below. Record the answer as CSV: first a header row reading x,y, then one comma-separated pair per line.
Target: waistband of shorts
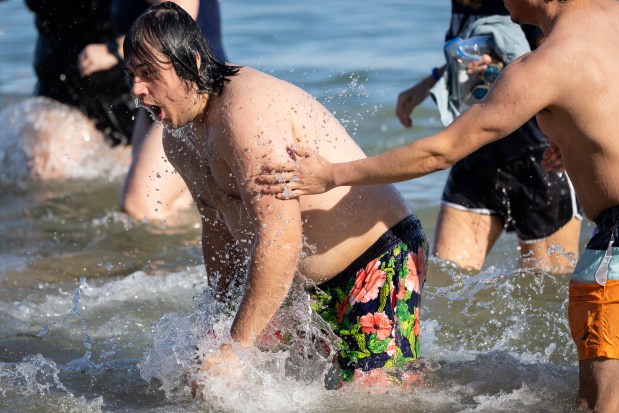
x,y
608,218
408,230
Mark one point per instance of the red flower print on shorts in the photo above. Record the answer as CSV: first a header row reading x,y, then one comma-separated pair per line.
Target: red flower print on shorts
x,y
368,283
377,323
416,265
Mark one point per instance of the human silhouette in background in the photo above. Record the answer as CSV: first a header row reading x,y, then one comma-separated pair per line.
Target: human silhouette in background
x,y
63,31
78,62
501,186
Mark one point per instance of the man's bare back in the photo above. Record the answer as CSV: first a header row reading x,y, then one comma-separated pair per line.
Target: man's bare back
x,y
241,133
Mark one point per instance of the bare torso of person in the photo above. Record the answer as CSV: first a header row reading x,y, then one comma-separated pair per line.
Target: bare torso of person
x,y
338,226
585,124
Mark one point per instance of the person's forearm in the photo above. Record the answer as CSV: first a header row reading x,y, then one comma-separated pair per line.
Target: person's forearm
x,y
471,130
401,164
272,270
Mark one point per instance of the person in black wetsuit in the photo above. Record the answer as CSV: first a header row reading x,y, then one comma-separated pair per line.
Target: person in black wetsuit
x,y
63,32
501,186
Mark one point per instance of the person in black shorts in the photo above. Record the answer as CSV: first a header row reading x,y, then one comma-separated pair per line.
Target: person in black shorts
x,y
502,186
63,31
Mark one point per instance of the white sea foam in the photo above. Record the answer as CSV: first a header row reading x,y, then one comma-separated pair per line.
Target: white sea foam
x,y
144,329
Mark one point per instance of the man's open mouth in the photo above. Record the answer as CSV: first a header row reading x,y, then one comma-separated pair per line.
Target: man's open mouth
x,y
154,110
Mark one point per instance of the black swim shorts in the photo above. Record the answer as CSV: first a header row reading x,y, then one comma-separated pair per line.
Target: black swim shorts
x,y
530,201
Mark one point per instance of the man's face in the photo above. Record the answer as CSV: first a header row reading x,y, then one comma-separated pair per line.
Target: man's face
x,y
168,98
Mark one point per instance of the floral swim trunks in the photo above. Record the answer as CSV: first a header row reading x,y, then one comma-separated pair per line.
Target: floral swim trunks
x,y
373,305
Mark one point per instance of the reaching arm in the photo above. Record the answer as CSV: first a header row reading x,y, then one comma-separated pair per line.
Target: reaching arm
x,y
312,174
516,96
409,99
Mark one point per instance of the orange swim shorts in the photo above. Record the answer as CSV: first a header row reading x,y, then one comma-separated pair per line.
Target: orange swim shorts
x,y
593,314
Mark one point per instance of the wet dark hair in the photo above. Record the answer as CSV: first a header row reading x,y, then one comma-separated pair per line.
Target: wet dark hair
x,y
171,31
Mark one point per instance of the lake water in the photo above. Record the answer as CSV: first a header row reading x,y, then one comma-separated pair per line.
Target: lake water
x,y
101,313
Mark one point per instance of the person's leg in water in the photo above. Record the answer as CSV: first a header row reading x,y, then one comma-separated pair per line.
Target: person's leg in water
x,y
465,237
597,379
152,189
557,253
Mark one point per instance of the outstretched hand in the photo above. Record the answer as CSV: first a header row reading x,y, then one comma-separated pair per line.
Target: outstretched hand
x,y
307,174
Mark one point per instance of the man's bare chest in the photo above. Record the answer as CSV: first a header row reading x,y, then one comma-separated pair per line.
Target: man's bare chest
x,y
205,173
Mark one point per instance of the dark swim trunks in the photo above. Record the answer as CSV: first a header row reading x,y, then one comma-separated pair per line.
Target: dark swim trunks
x,y
373,305
529,200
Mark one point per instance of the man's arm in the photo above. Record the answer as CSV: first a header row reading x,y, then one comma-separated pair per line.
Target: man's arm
x,y
272,267
524,88
277,225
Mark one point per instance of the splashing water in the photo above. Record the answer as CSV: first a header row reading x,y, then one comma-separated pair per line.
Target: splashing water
x,y
44,140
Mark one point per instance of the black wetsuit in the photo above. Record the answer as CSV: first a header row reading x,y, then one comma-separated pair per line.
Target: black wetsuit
x,y
65,28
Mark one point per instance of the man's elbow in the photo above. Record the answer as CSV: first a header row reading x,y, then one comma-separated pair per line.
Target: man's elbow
x,y
443,161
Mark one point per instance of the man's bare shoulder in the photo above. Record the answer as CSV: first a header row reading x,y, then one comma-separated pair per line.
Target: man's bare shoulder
x,y
253,116
252,85
549,69
254,102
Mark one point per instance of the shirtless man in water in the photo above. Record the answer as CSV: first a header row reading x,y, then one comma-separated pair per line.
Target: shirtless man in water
x,y
362,246
569,84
